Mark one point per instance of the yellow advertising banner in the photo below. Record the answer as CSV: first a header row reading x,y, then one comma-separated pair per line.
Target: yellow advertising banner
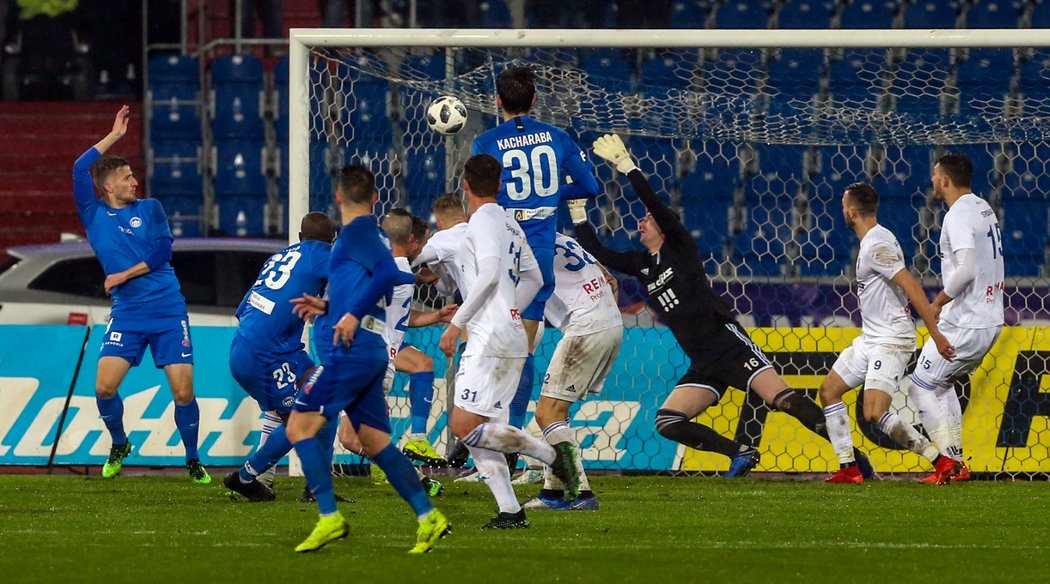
x,y
1006,408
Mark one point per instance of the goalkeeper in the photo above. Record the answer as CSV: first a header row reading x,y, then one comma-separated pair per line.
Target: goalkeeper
x,y
720,351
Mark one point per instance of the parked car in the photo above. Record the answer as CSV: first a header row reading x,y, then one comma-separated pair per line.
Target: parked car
x,y
62,283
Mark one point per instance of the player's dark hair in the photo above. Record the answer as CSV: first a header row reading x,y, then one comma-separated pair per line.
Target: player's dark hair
x,y
516,88
448,204
482,173
104,167
398,224
957,167
316,226
357,184
419,228
864,198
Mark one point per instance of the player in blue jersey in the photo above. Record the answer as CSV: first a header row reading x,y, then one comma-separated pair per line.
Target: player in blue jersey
x,y
362,274
132,240
538,159
267,356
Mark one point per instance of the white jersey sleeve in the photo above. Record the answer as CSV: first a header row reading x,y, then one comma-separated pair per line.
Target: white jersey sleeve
x,y
398,309
445,244
971,223
583,301
883,306
496,329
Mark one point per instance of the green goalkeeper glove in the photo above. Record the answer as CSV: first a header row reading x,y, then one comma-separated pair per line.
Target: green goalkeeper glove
x,y
611,148
578,211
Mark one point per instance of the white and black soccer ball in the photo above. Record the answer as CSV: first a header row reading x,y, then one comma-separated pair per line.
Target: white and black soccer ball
x,y
446,115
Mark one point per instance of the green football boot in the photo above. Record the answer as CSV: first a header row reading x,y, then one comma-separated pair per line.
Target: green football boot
x,y
115,462
328,529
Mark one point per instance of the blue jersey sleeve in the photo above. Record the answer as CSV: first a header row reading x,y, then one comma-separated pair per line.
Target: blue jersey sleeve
x,y
575,163
384,274
83,186
159,227
320,256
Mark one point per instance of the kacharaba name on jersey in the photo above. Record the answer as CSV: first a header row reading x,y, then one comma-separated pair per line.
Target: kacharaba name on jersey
x,y
524,140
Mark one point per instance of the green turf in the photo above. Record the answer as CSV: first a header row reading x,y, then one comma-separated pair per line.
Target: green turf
x,y
654,529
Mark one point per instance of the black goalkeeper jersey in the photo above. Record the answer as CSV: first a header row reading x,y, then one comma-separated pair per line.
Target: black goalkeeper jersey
x,y
678,287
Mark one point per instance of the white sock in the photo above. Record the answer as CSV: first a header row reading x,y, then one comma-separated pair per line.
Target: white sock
x,y
932,412
837,419
492,467
271,422
508,439
907,436
950,400
561,432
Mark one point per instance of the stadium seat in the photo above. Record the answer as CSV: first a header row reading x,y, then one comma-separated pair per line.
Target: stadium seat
x,y
237,70
184,214
756,254
175,169
280,89
689,14
423,67
174,76
826,244
784,161
994,14
1041,15
706,216
426,176
905,171
675,69
607,69
901,217
920,81
238,167
733,72
838,167
1031,80
983,158
795,73
714,176
236,97
1025,225
931,14
175,119
858,73
242,216
494,14
869,14
984,80
799,14
368,106
742,14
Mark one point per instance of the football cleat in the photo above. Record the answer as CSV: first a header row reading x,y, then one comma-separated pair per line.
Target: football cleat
x,y
377,474
471,477
508,521
115,462
584,504
431,528
328,529
944,469
963,474
564,467
863,465
432,487
197,472
308,497
741,464
529,476
254,491
421,450
541,503
457,457
845,475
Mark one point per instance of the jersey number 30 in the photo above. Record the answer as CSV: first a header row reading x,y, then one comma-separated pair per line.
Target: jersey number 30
x,y
534,173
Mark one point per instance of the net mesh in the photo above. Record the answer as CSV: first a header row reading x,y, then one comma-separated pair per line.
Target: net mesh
x,y
754,147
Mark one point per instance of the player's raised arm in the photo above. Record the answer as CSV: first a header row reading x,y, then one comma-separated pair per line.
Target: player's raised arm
x,y
627,262
611,148
83,185
913,290
584,185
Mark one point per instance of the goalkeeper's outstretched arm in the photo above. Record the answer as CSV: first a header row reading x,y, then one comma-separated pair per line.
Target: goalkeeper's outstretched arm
x,y
627,262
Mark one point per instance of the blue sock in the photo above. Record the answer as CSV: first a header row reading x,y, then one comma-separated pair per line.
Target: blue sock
x,y
276,446
520,405
318,473
420,396
402,476
111,410
187,418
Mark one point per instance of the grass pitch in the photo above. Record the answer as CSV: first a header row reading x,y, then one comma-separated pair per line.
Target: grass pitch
x,y
650,529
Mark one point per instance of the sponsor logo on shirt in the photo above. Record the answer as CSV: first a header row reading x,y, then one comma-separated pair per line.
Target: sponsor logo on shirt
x,y
529,214
661,279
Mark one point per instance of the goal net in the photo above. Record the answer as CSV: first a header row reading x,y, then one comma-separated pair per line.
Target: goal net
x,y
754,144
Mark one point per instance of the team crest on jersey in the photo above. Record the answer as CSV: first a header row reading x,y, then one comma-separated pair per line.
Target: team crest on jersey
x,y
135,222
288,401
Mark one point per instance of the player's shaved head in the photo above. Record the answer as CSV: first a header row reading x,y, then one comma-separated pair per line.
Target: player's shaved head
x,y
356,183
481,173
449,205
516,88
316,226
864,198
104,167
398,225
958,169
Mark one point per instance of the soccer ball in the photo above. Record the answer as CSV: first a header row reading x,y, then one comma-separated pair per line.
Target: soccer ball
x,y
446,115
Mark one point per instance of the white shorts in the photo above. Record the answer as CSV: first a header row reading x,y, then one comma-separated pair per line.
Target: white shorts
x,y
486,385
878,366
580,364
971,345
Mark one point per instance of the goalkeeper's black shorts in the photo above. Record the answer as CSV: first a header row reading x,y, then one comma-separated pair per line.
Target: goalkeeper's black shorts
x,y
735,366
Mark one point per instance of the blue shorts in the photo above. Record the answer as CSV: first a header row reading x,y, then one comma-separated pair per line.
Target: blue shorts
x,y
545,259
168,340
270,378
351,385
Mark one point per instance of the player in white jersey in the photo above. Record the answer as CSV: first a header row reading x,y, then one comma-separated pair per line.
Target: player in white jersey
x,y
971,250
583,307
500,275
879,356
439,253
408,235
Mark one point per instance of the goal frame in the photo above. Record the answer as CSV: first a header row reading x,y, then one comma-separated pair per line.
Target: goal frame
x,y
301,40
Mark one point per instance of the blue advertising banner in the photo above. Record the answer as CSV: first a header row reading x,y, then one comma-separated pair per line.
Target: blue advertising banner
x,y
37,366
